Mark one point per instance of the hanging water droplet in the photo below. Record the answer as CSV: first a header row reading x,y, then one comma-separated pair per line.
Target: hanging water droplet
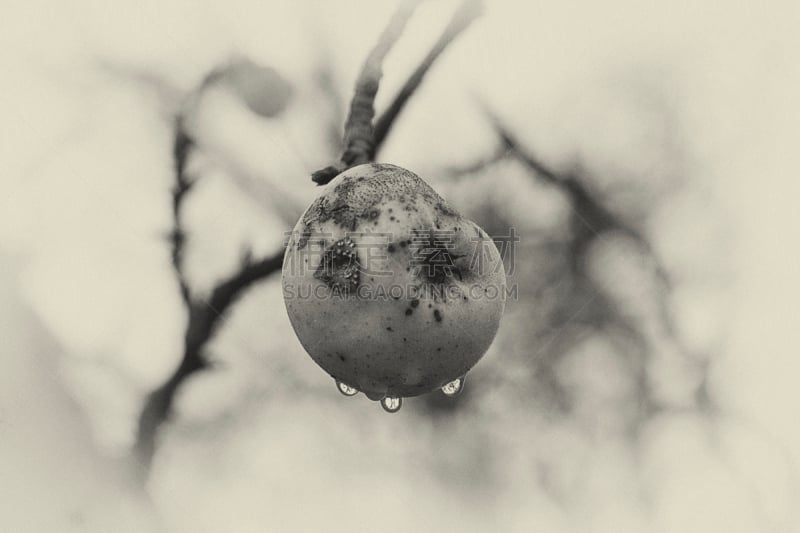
x,y
454,387
391,404
346,389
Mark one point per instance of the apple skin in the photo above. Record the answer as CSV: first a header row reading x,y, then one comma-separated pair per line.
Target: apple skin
x,y
388,288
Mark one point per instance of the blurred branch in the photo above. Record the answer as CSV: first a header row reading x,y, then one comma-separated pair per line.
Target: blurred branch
x,y
590,221
590,216
499,154
205,315
181,147
358,132
204,318
462,18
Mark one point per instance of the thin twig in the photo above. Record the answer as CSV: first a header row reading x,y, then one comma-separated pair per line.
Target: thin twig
x,y
512,146
462,18
358,131
181,148
499,154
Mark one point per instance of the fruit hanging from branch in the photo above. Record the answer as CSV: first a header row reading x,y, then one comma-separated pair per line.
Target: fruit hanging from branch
x,y
389,289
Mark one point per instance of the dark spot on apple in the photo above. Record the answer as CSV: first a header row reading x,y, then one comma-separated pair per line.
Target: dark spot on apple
x,y
414,303
435,258
339,267
437,315
409,311
391,248
389,329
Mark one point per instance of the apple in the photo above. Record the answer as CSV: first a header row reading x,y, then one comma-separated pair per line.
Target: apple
x,y
389,289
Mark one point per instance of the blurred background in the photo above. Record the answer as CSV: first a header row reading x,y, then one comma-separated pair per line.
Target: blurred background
x,y
642,380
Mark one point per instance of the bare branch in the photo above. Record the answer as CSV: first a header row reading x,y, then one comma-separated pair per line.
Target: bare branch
x,y
205,317
458,171
251,272
512,146
462,18
358,132
590,220
590,217
181,148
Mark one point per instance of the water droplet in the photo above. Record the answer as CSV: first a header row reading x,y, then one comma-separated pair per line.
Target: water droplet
x,y
391,404
454,387
346,389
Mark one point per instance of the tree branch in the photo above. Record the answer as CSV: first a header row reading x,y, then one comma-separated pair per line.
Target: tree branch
x,y
358,133
500,153
205,315
181,147
462,18
362,140
590,214
512,146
